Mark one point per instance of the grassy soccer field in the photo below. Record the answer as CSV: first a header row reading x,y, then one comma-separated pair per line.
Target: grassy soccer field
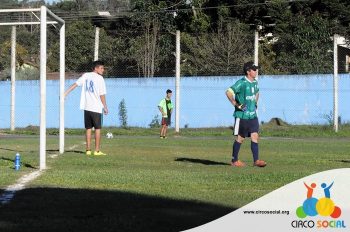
x,y
148,184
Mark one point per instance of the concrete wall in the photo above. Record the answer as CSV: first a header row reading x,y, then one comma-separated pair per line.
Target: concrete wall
x,y
302,99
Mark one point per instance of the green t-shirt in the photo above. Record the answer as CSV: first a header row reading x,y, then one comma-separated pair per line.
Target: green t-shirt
x,y
166,106
245,93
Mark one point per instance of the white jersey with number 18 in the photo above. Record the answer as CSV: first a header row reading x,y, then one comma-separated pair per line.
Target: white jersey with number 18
x,y
93,86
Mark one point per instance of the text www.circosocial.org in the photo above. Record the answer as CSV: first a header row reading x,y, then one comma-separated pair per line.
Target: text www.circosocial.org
x,y
283,212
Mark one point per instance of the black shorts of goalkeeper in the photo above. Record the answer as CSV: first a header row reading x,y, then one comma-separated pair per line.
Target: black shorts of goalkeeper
x,y
245,127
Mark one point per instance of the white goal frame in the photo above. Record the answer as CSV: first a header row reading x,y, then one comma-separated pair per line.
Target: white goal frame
x,y
42,20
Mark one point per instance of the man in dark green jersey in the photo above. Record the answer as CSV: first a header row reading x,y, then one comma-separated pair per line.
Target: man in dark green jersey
x,y
244,96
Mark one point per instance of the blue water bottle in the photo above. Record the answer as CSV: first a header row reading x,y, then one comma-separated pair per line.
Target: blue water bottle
x,y
17,162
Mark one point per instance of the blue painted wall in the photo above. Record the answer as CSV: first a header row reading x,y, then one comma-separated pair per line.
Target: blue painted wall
x,y
304,99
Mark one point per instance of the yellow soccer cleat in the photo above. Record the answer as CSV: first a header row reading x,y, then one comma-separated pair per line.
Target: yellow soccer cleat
x,y
99,153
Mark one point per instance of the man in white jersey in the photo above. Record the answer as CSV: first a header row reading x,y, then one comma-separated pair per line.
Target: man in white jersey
x,y
93,102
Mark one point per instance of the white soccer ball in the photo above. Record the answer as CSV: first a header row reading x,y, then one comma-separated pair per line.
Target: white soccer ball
x,y
109,135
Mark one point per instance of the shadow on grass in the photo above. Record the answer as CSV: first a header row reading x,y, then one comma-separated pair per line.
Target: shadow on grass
x,y
28,151
200,161
342,161
66,151
48,150
13,161
55,209
7,149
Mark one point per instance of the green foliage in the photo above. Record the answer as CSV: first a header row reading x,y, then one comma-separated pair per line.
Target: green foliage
x,y
267,58
30,39
266,130
220,53
199,24
140,41
67,5
155,123
123,114
80,37
25,54
329,118
308,43
149,48
114,53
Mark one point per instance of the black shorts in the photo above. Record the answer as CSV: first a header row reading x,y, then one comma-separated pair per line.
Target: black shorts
x,y
244,127
92,119
166,121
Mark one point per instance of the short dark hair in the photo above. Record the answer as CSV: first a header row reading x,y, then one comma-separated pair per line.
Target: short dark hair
x,y
97,63
169,91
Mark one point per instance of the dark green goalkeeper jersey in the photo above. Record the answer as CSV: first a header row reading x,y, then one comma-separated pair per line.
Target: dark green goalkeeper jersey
x,y
245,92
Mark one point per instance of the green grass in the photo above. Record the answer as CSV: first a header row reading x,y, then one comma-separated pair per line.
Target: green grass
x,y
148,184
28,148
266,130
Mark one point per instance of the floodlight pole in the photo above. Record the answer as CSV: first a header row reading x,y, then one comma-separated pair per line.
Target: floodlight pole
x,y
43,57
13,77
177,83
335,83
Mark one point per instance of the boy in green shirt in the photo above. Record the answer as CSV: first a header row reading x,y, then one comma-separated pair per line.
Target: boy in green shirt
x,y
165,107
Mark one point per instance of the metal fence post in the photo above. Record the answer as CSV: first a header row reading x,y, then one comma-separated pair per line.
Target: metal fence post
x,y
177,83
13,77
335,83
62,80
97,42
256,47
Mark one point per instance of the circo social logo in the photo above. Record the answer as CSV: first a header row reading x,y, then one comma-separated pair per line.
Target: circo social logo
x,y
323,206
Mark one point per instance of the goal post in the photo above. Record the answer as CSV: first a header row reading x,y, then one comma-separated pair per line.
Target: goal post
x,y
44,18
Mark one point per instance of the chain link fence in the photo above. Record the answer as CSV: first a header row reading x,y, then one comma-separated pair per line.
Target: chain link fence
x,y
296,84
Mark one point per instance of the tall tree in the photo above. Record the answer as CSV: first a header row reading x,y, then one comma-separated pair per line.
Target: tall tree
x,y
79,46
305,49
152,23
218,53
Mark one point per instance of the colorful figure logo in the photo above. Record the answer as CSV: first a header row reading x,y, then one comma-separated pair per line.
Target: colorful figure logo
x,y
323,206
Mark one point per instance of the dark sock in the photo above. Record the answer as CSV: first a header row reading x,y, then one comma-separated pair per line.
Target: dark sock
x,y
255,150
235,151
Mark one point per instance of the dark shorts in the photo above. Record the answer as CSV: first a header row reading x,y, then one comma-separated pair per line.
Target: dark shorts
x,y
92,119
244,127
166,121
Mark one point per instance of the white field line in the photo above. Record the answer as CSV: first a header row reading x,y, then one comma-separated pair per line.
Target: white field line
x,y
10,191
21,183
69,148
73,147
